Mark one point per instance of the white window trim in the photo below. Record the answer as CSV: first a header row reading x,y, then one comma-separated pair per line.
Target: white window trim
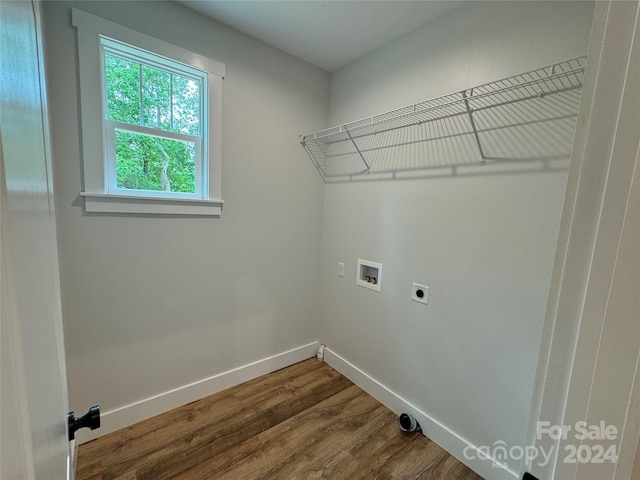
x,y
95,188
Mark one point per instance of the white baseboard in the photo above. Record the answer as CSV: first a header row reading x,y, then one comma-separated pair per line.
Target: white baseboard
x,y
439,433
129,414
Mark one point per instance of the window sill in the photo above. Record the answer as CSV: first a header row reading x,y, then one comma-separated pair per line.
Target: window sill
x,y
143,205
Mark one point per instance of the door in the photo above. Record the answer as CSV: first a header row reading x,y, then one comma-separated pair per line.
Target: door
x,y
33,393
588,368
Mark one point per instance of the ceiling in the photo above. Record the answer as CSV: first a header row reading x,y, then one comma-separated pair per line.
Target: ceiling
x,y
328,34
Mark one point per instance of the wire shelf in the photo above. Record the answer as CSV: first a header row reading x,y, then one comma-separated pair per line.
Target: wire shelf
x,y
524,117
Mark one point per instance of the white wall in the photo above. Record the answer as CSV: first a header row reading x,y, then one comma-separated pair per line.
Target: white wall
x,y
154,303
483,243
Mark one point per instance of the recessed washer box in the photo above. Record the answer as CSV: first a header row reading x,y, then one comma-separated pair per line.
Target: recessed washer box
x,y
369,274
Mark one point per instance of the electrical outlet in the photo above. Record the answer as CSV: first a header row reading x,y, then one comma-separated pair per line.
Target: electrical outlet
x,y
420,293
340,269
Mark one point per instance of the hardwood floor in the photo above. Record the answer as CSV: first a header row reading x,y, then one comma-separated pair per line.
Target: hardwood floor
x,y
303,422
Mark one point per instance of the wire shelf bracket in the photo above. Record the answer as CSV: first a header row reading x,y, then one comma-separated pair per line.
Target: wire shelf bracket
x,y
358,150
483,159
527,116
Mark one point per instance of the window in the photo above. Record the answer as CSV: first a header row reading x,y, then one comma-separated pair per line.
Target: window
x,y
153,123
150,123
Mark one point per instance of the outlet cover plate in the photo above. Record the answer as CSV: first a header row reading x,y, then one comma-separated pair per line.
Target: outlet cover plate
x,y
420,293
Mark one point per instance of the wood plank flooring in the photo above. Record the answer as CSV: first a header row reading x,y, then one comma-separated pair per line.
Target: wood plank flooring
x,y
303,422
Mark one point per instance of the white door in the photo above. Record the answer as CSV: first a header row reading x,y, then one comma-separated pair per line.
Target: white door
x,y
33,393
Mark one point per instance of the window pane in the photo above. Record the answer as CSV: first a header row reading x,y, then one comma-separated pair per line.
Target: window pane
x,y
146,162
122,80
156,98
186,105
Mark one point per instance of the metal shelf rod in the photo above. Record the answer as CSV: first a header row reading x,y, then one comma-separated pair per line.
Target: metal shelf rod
x,y
453,135
542,95
392,116
444,117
